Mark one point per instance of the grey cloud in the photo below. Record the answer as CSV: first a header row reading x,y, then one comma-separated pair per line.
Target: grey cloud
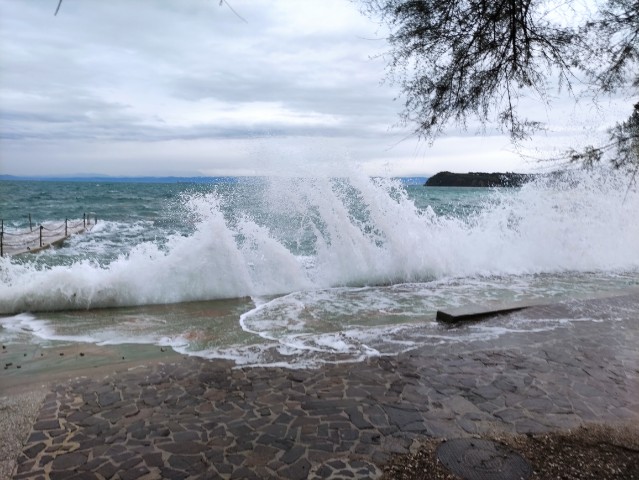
x,y
137,74
196,52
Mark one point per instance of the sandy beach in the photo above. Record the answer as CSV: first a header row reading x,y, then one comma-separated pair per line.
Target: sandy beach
x,y
144,412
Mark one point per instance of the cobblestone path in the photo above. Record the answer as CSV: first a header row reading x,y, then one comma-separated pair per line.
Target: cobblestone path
x,y
205,419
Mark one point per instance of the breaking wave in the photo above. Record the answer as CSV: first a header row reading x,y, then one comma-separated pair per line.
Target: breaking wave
x,y
304,234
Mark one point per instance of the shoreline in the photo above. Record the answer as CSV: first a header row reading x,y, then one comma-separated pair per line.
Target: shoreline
x,y
24,389
159,414
29,367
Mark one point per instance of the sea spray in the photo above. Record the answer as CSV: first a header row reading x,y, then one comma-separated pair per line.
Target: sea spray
x,y
282,235
578,221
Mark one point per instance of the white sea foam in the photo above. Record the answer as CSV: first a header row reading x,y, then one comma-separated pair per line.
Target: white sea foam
x,y
356,232
29,327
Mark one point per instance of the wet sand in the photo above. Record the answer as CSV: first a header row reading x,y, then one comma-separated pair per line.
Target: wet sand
x,y
27,366
156,414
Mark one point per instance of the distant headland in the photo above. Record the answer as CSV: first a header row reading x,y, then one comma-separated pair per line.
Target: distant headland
x,y
110,179
478,179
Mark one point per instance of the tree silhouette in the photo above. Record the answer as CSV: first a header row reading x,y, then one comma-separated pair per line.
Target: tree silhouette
x,y
459,60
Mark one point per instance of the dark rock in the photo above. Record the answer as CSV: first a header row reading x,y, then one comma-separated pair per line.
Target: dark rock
x,y
345,474
188,436
134,473
325,447
276,430
108,398
86,476
357,419
25,466
47,425
68,461
297,376
94,464
78,416
348,435
31,452
371,438
298,471
292,455
170,474
129,464
224,468
183,448
33,475
281,443
36,437
324,472
402,416
243,473
337,464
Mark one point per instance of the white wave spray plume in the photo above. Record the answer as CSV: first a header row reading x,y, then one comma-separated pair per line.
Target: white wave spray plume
x,y
311,233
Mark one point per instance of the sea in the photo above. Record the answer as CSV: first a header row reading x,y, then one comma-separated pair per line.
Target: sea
x,y
302,270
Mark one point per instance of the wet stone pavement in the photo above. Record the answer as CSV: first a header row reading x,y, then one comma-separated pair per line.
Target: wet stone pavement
x,y
206,419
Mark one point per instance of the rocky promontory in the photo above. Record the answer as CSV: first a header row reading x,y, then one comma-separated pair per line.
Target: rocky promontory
x,y
478,179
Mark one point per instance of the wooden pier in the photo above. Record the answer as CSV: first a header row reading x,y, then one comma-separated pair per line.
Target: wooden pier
x,y
42,236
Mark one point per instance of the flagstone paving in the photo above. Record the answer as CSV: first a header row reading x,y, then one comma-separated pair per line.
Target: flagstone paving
x,y
203,419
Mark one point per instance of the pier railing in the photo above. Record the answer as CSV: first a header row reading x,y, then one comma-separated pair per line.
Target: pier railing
x,y
42,236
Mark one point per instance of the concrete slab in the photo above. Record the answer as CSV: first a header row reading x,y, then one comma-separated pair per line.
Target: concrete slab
x,y
474,312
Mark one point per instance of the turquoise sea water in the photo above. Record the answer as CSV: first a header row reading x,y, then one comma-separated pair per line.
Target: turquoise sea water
x,y
303,270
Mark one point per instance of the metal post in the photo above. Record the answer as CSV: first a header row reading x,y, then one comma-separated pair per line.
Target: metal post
x,y
96,220
1,239
41,227
84,219
30,225
65,227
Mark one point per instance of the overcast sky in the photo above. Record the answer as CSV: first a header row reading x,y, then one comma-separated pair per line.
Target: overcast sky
x,y
168,87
